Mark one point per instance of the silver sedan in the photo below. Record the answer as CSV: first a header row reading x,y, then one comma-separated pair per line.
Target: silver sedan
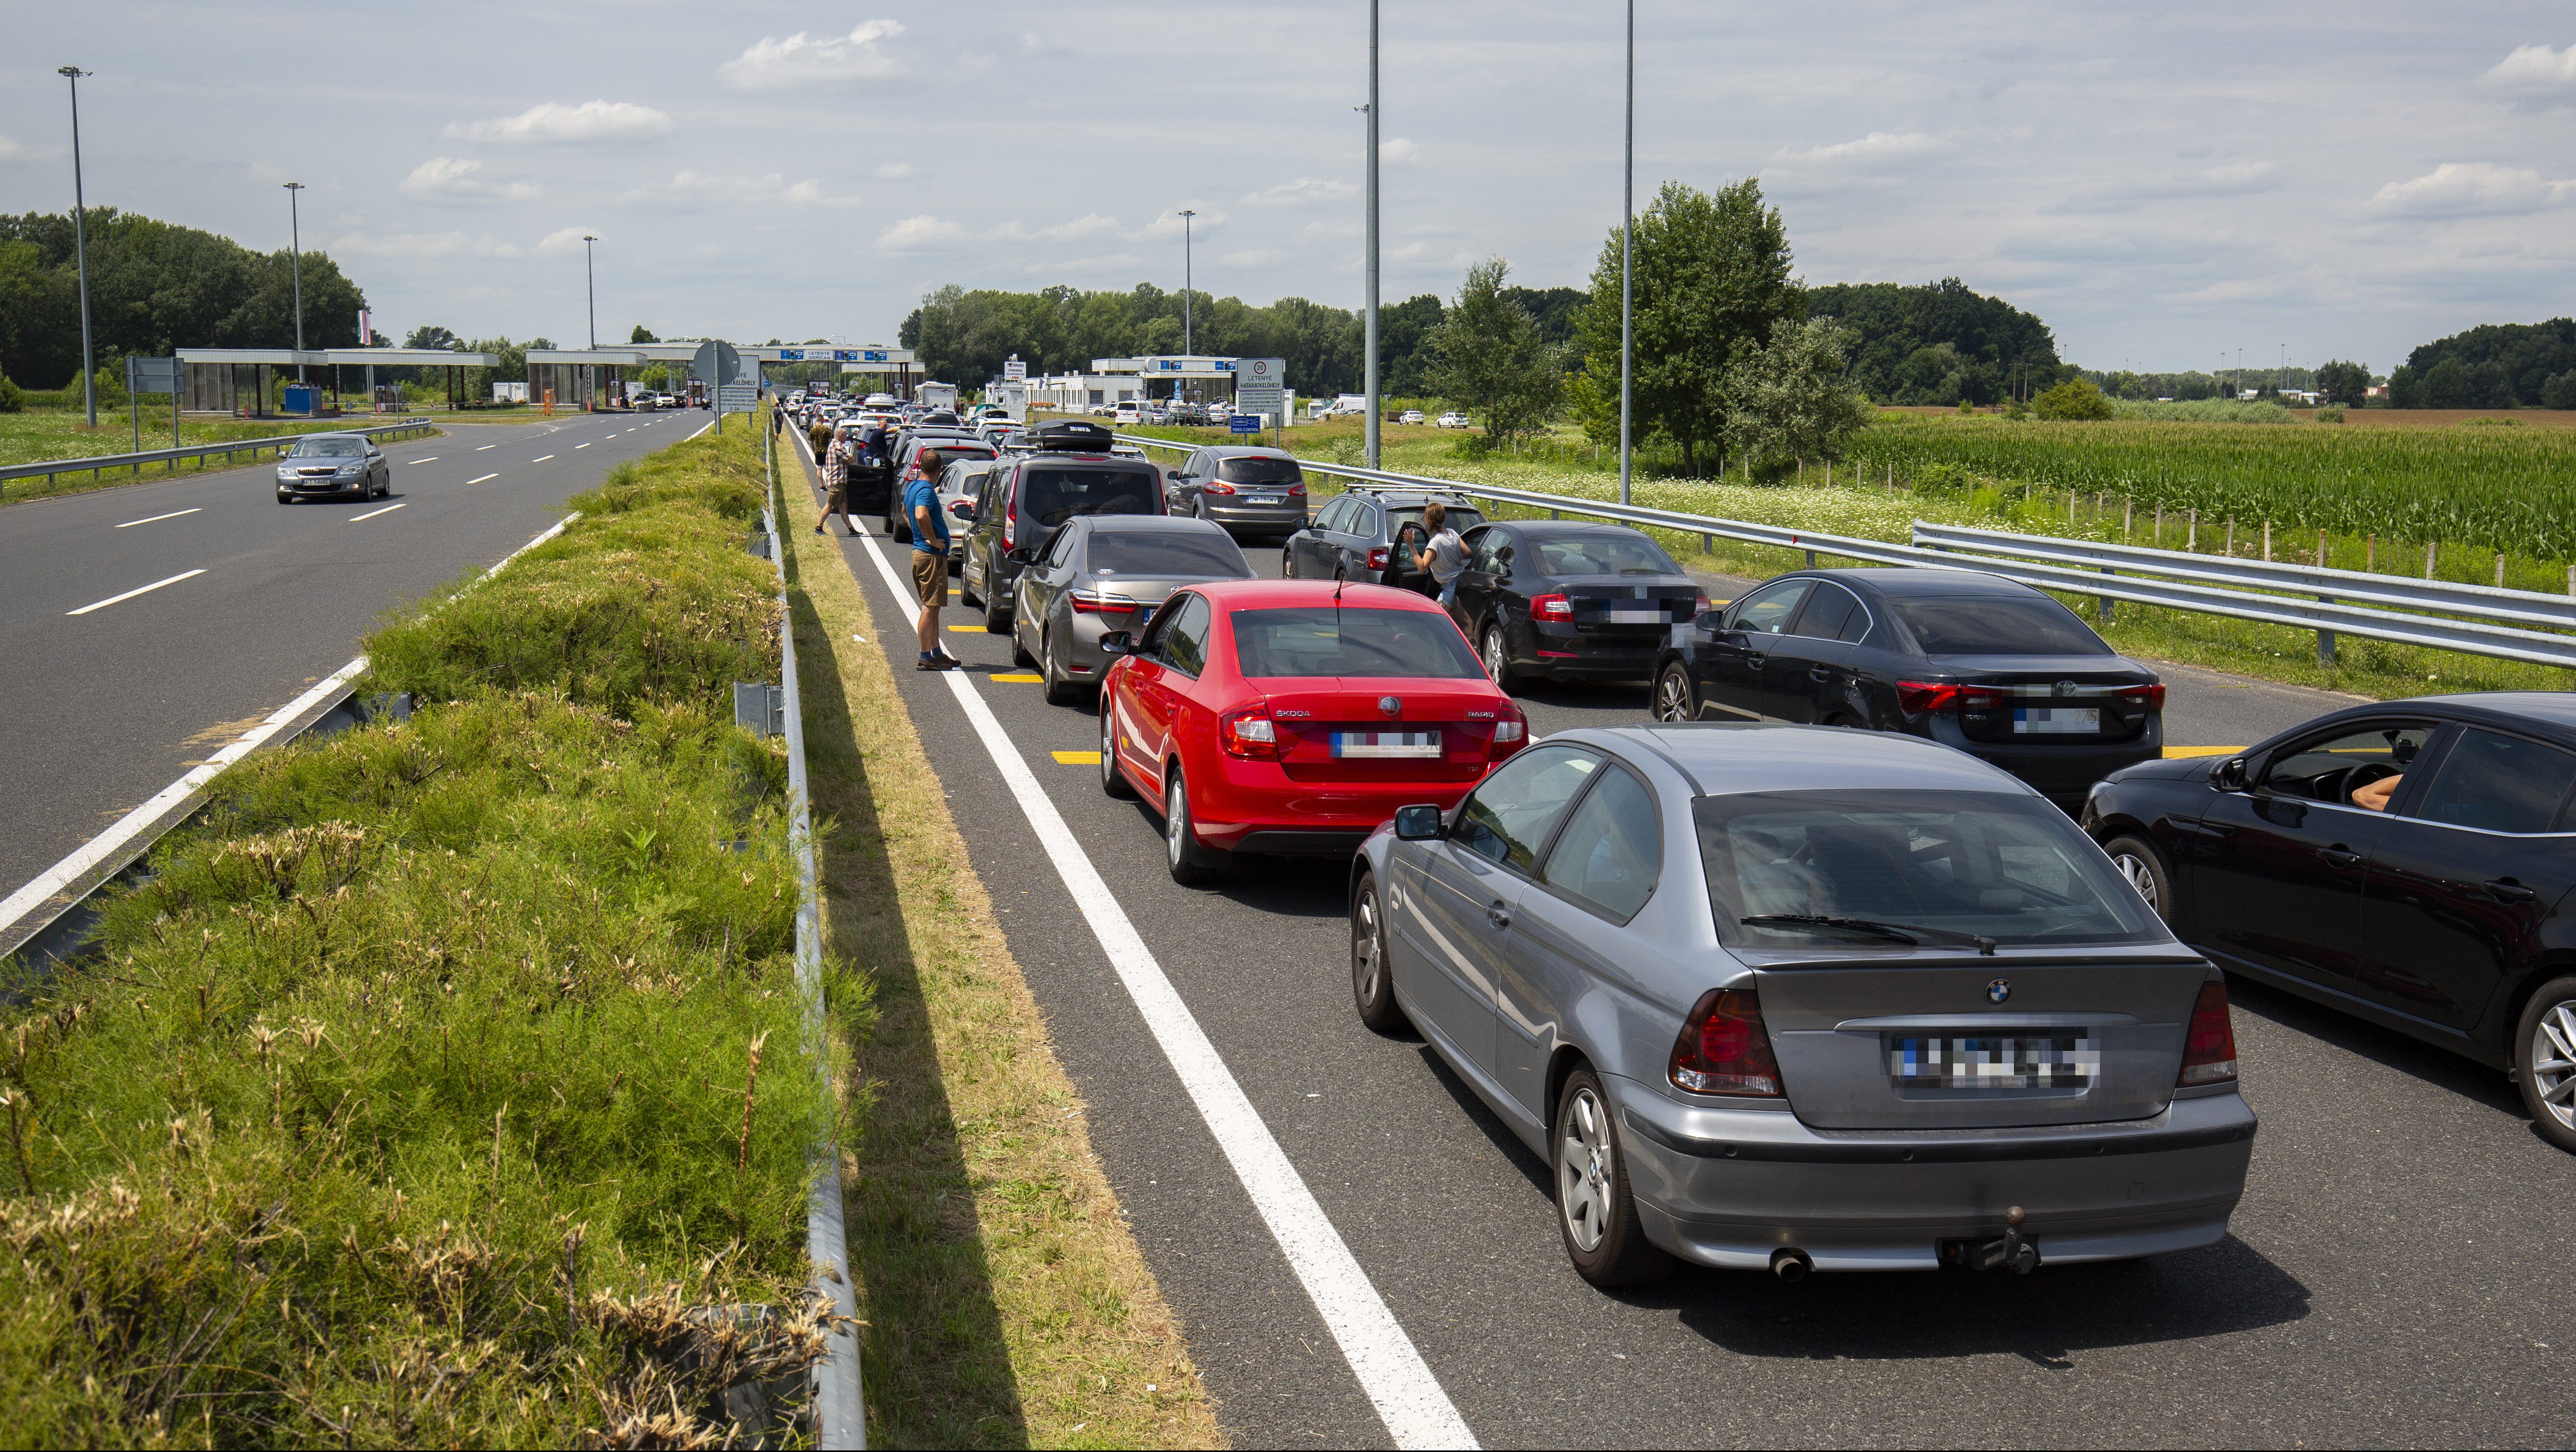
x,y
1102,573
1796,998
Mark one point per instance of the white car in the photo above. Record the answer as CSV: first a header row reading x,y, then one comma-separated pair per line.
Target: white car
x,y
1410,416
1128,413
1451,420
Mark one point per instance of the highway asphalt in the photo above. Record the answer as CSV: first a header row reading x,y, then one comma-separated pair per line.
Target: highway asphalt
x,y
2386,1281
105,708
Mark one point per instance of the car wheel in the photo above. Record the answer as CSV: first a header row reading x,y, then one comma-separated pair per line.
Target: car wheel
x,y
1498,659
997,617
1372,992
2545,1053
1191,863
1060,689
902,531
1595,1212
1113,782
1287,564
1675,699
1020,653
2144,867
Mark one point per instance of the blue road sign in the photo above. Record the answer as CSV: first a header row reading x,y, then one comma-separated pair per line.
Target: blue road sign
x,y
1245,423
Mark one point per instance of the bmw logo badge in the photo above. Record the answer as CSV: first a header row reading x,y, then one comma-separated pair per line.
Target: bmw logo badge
x,y
1999,990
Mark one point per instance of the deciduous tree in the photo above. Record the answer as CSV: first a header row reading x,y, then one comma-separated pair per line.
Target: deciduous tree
x,y
1489,357
1793,397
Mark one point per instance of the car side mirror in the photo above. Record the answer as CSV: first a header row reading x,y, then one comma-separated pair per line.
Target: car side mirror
x,y
1116,642
962,508
2230,776
1418,823
1024,555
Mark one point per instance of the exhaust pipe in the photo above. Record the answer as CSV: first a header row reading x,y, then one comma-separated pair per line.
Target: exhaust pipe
x,y
1790,1264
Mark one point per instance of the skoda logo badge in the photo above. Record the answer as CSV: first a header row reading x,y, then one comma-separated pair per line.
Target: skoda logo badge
x,y
1390,705
2066,688
1999,990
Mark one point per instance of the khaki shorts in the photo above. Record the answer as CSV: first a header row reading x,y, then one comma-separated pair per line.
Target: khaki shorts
x,y
930,576
836,498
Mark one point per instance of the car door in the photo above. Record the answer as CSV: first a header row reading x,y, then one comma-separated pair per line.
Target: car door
x,y
1729,660
1183,491
1036,590
1357,537
1476,581
1137,700
1808,666
2275,868
1179,656
2467,868
1597,874
1457,910
1306,546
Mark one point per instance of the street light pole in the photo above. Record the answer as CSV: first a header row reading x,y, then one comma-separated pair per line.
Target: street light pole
x,y
1627,263
1369,343
590,288
1186,283
295,233
80,250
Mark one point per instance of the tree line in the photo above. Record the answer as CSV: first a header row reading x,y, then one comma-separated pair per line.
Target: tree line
x,y
2498,365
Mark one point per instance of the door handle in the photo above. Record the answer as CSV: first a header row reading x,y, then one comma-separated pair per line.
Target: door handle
x,y
2339,855
1820,674
1755,660
1499,915
2505,889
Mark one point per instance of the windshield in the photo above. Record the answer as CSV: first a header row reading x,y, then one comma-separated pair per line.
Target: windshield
x,y
1325,640
1996,625
1167,552
1258,470
2010,868
1052,496
1603,554
329,449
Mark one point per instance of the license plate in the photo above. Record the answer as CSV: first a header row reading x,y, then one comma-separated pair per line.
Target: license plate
x,y
1262,498
1386,743
2057,720
1994,1062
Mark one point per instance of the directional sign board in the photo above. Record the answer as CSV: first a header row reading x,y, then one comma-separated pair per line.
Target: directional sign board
x,y
1244,423
151,375
1259,386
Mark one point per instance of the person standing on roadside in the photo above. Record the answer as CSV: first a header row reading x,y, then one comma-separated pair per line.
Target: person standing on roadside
x,y
836,482
929,558
1445,557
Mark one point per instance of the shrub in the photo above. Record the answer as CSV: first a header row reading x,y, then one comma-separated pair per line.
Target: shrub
x,y
2210,410
12,397
2076,398
2331,413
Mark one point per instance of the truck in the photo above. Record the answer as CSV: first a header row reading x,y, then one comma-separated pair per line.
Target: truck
x,y
937,395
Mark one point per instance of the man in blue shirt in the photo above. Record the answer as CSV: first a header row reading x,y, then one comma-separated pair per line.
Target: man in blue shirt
x,y
929,557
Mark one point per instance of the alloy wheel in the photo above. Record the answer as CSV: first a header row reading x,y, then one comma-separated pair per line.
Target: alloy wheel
x,y
1287,564
2141,875
1583,1169
1672,696
1176,819
1496,662
1368,950
2553,1063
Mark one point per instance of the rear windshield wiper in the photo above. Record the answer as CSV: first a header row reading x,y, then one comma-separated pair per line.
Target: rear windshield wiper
x,y
1892,932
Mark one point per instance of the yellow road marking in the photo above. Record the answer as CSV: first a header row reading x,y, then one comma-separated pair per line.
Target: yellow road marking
x,y
968,629
1019,680
1076,758
2174,751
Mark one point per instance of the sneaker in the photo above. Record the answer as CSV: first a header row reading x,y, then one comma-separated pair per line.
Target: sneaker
x,y
857,533
818,529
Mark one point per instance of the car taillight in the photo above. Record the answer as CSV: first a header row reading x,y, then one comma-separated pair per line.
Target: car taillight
x,y
1216,486
1296,490
1248,733
2151,698
1916,697
2209,1049
1511,733
1011,522
1724,1048
1377,558
1551,607
1702,605
1097,602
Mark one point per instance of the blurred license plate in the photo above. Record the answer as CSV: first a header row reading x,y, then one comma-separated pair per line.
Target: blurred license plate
x,y
1262,498
2057,720
1637,615
1386,743
1987,1061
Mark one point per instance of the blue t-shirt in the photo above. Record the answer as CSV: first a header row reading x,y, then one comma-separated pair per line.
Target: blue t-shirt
x,y
919,494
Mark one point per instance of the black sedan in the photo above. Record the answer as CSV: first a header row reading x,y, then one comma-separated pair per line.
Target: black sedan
x,y
1987,665
2403,862
1570,599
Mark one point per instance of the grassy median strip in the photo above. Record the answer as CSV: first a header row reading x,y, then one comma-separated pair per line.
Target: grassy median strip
x,y
1006,1302
444,1085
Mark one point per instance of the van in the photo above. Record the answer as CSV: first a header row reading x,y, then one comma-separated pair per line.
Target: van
x,y
1026,500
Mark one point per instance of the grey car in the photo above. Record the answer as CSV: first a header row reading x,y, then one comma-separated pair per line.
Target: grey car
x,y
1373,534
333,464
1246,489
960,483
1104,573
1797,998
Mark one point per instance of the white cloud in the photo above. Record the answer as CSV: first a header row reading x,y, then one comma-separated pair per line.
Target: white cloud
x,y
1257,257
1105,262
2535,68
10,149
890,170
553,121
400,244
803,60
1169,224
1878,148
1398,152
1304,191
1089,225
694,186
915,233
2229,179
567,239
452,178
2473,189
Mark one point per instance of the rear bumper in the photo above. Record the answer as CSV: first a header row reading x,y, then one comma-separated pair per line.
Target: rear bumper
x,y
1253,806
1287,518
2062,773
1727,1187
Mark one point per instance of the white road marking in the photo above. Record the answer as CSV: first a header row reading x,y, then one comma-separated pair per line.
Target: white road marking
x,y
478,448
541,458
630,431
432,459
372,513
702,428
581,446
130,594
478,481
1408,1398
156,519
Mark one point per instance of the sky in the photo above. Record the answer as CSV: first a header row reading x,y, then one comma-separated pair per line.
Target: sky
x,y
2163,185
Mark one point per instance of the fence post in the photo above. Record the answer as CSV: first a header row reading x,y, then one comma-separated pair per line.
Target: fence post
x,y
2102,604
2432,554
2325,638
2499,572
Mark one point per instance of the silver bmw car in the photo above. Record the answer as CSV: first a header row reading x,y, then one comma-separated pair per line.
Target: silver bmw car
x,y
1797,998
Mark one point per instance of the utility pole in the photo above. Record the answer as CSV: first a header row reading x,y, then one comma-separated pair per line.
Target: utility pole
x,y
1628,264
295,232
1186,283
590,288
1369,343
80,250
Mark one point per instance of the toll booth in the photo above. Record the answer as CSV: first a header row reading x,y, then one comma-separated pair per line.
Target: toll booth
x,y
584,379
237,380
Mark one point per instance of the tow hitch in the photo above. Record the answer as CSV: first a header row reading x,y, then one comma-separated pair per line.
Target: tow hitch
x,y
2010,1251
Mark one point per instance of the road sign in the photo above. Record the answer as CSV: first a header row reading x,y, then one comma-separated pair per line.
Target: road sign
x,y
1244,423
715,363
1014,370
1259,386
738,398
151,375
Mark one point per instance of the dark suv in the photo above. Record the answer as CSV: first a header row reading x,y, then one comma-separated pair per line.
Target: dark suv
x,y
1355,537
1027,497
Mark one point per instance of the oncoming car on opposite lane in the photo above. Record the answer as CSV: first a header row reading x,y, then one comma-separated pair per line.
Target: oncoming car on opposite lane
x,y
1791,998
333,464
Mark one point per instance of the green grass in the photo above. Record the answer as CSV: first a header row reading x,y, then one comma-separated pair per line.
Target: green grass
x,y
442,1068
37,437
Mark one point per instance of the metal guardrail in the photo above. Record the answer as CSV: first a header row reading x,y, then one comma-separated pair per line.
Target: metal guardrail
x,y
840,1407
49,468
2326,616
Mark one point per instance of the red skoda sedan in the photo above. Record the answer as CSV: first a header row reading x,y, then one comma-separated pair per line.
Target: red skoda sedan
x,y
1294,716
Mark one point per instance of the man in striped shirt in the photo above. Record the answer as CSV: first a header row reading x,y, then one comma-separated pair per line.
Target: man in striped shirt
x,y
836,482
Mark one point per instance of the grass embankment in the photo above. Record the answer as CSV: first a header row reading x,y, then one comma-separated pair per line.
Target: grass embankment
x,y
1006,1303
36,437
445,1068
1861,504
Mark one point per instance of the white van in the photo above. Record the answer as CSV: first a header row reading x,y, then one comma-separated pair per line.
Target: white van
x,y
1130,411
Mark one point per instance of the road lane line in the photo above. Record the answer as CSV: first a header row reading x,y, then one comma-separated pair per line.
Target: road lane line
x,y
1076,758
432,459
478,448
1408,1398
478,481
156,519
372,513
1017,679
130,594
2172,752
541,458
702,428
581,446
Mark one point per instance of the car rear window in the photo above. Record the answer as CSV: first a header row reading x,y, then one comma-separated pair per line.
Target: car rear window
x,y
1258,470
1052,496
2006,867
1604,554
1459,518
1326,640
1167,552
1996,625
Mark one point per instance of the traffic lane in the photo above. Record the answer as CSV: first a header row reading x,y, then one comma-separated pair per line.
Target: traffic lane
x,y
104,709
2077,1354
